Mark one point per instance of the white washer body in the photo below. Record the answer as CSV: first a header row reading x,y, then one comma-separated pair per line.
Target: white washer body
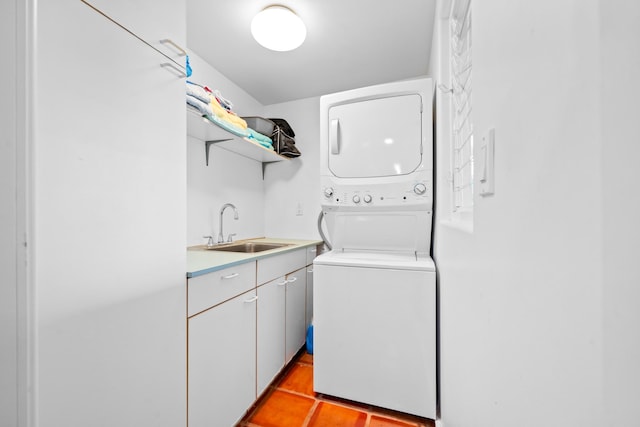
x,y
375,292
374,331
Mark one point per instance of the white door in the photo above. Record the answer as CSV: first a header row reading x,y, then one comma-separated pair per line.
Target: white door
x,y
295,321
222,362
108,201
270,330
162,23
374,336
376,138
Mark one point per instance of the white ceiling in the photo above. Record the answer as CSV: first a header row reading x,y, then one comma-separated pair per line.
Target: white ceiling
x,y
350,44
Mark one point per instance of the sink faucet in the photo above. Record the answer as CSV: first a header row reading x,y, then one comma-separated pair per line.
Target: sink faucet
x,y
235,216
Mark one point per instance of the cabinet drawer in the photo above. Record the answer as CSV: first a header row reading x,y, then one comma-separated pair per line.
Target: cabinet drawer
x,y
213,288
279,265
312,252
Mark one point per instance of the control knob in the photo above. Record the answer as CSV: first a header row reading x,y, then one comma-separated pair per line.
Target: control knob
x,y
328,192
419,188
356,199
367,198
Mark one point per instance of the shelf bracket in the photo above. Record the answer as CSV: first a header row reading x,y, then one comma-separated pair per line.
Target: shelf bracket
x,y
264,167
208,144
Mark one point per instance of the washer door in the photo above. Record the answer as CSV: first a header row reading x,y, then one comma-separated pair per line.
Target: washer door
x,y
376,137
375,336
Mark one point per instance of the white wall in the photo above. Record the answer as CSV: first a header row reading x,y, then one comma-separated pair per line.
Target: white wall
x,y
295,183
539,312
620,150
229,178
521,296
8,206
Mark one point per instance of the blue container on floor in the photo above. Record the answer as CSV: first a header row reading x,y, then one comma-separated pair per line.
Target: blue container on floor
x,y
310,339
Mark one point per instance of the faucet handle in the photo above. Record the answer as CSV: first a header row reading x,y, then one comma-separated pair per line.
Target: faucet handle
x,y
209,241
230,239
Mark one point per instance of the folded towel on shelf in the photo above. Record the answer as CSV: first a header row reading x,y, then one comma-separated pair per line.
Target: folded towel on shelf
x,y
236,130
262,144
202,107
224,102
223,114
198,92
217,110
265,141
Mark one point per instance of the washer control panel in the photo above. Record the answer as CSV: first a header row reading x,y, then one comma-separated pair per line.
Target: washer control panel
x,y
381,195
420,188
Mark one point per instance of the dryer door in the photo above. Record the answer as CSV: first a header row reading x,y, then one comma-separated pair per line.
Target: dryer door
x,y
376,137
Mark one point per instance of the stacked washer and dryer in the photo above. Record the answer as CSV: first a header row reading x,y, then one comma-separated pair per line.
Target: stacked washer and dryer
x,y
375,291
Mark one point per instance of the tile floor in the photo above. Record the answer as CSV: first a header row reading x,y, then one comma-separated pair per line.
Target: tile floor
x,y
291,402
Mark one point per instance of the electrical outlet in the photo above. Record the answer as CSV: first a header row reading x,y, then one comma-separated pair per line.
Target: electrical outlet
x,y
299,210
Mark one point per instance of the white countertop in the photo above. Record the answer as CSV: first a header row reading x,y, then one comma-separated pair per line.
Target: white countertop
x,y
201,260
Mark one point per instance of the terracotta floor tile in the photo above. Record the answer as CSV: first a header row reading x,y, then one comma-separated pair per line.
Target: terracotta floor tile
x,y
306,358
328,415
282,409
292,400
408,419
299,379
377,421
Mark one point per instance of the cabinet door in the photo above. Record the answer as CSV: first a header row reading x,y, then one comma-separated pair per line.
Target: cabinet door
x,y
213,288
312,253
155,21
110,191
295,313
222,351
270,331
279,265
309,298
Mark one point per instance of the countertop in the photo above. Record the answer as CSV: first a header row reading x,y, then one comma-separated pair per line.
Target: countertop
x,y
201,260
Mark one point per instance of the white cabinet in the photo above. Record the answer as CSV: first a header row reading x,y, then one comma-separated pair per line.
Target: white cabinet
x,y
109,186
160,23
295,312
245,323
308,316
312,252
210,289
271,334
222,362
292,265
280,265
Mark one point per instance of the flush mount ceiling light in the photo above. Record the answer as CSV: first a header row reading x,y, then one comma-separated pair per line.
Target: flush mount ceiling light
x,y
278,28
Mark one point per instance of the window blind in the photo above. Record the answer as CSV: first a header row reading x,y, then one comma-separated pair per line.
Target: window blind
x,y
462,125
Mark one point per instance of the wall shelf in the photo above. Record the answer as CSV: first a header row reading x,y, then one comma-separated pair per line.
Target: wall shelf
x,y
201,128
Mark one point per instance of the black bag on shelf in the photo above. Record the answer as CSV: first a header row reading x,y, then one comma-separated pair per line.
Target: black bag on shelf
x,y
283,139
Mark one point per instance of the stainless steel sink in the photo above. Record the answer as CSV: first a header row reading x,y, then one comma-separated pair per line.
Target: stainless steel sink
x,y
247,247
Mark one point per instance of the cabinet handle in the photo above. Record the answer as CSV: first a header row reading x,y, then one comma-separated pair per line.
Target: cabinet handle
x,y
180,50
293,279
282,283
231,276
310,271
313,251
180,72
252,299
